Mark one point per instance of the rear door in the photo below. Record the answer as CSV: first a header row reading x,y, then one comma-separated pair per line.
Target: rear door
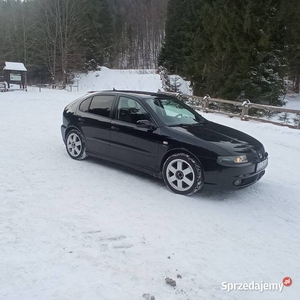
x,y
130,143
95,122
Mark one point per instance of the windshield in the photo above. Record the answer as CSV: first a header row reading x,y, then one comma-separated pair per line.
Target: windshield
x,y
174,112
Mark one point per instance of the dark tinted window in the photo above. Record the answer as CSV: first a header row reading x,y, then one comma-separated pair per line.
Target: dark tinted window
x,y
131,111
101,105
84,106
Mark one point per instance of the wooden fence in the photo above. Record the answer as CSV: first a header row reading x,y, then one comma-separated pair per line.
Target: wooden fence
x,y
202,103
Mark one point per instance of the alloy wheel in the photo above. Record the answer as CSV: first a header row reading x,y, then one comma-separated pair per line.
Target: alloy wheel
x,y
180,175
74,145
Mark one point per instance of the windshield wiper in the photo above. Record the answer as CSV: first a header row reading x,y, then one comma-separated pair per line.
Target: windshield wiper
x,y
199,123
188,125
180,125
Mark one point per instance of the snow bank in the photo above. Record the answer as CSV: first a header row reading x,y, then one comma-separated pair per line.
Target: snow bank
x,y
128,79
182,85
292,101
107,79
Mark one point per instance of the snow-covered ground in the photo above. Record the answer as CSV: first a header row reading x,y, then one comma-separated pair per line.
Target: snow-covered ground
x,y
107,79
94,230
140,79
292,101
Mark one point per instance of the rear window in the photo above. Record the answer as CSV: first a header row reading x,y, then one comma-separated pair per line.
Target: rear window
x,y
84,106
101,105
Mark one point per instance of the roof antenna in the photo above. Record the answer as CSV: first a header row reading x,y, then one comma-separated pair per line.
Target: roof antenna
x,y
114,89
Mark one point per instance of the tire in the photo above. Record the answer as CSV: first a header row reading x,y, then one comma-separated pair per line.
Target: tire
x,y
182,174
75,145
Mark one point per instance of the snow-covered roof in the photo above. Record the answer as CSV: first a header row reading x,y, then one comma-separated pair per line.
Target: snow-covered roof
x,y
14,66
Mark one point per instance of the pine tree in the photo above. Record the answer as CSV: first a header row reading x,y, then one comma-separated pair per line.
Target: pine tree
x,y
101,31
171,56
230,48
292,7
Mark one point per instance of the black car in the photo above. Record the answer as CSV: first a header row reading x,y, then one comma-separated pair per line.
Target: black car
x,y
160,135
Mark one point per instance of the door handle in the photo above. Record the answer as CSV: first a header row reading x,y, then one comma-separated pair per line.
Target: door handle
x,y
81,120
114,127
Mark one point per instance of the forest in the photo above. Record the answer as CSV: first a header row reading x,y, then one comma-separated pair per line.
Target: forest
x,y
238,49
54,38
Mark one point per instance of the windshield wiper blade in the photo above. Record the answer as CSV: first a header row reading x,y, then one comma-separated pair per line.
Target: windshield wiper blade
x,y
180,125
188,125
199,123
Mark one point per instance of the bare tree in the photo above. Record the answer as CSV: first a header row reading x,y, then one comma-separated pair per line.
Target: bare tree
x,y
51,35
141,36
61,28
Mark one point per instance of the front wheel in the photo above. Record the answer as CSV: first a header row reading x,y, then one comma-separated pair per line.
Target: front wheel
x,y
182,174
75,145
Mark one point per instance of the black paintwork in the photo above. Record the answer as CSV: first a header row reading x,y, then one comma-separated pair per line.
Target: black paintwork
x,y
146,148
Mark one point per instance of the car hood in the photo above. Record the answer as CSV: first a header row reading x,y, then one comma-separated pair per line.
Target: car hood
x,y
229,139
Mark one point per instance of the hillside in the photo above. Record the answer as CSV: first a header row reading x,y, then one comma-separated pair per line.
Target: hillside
x,y
132,79
107,79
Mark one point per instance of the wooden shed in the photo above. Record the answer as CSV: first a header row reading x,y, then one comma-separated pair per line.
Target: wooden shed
x,y
15,72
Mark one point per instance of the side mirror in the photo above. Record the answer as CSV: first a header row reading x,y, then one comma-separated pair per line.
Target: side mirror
x,y
145,124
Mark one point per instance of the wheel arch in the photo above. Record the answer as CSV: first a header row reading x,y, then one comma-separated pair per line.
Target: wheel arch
x,y
198,177
82,151
179,150
68,129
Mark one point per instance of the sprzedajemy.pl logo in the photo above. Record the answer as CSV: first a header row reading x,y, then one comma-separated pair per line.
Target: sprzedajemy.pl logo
x,y
256,286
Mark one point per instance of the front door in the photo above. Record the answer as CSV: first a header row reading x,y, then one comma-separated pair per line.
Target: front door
x,y
130,143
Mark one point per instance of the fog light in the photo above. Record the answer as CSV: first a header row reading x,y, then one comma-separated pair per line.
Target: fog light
x,y
237,182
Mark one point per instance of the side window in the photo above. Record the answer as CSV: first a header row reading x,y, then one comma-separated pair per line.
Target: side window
x,y
84,106
101,105
130,111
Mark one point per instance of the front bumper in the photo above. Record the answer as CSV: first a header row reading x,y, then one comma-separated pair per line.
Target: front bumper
x,y
234,177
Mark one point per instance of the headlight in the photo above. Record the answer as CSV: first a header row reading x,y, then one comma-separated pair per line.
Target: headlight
x,y
232,159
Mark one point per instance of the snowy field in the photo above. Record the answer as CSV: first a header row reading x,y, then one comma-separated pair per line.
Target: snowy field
x,y
93,230
140,79
292,101
107,79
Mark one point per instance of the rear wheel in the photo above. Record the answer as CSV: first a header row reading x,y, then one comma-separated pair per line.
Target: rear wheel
x,y
75,145
182,174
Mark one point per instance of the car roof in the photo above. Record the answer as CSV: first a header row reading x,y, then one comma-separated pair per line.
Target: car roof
x,y
139,94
